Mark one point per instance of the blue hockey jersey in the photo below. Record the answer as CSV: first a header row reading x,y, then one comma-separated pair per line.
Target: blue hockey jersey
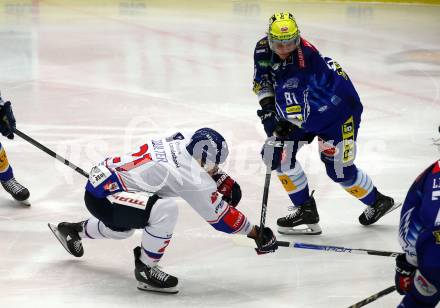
x,y
419,230
289,82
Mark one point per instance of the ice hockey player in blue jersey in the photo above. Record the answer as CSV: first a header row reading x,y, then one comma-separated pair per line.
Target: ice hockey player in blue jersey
x,y
137,191
418,268
303,95
7,179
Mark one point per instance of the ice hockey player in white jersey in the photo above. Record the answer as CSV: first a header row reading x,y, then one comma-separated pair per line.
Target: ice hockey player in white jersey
x,y
136,191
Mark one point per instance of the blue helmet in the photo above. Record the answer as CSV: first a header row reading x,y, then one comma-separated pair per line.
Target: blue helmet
x,y
208,146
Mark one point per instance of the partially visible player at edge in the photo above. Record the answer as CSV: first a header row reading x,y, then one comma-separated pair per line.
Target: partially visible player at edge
x,y
136,191
303,95
7,179
418,268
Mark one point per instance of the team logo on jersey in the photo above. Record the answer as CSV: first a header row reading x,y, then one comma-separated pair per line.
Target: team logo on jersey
x,y
291,83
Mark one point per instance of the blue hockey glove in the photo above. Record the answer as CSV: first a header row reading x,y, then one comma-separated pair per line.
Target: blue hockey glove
x,y
266,242
404,274
321,93
7,119
272,152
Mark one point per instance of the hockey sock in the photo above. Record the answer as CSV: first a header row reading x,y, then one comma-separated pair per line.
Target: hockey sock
x,y
157,235
95,229
295,183
5,169
361,187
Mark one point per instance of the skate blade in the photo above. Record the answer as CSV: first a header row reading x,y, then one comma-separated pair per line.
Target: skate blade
x,y
59,237
311,229
25,202
394,207
146,287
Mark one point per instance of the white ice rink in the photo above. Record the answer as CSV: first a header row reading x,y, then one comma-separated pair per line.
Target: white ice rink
x,y
95,78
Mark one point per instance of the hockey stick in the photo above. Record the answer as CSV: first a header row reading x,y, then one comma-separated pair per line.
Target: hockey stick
x,y
243,241
373,297
271,143
357,251
264,202
50,152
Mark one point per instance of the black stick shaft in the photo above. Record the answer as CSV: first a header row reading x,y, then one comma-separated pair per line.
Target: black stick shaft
x,y
50,152
264,203
373,297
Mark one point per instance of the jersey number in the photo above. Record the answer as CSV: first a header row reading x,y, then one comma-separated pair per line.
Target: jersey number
x,y
139,158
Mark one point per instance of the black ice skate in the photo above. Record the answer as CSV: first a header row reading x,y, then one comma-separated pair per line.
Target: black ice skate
x,y
383,205
17,191
152,278
305,214
67,234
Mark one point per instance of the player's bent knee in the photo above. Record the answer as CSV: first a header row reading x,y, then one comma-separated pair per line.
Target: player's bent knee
x,y
164,211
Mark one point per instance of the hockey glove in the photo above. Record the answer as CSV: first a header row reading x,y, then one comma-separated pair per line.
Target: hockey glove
x,y
266,241
272,152
404,274
230,189
321,93
283,129
268,119
7,119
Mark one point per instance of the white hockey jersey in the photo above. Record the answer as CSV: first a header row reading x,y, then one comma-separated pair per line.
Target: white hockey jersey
x,y
163,166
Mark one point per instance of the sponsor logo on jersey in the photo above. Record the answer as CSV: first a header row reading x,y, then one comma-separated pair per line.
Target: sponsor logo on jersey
x,y
437,236
219,207
333,65
323,108
174,156
264,63
129,201
276,66
214,198
348,140
4,164
423,285
301,60
293,109
98,174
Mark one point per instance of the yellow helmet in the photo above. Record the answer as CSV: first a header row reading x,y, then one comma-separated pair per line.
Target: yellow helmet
x,y
283,28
